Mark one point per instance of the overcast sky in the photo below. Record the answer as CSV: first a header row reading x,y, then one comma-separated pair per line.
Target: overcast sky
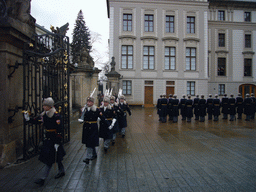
x,y
59,12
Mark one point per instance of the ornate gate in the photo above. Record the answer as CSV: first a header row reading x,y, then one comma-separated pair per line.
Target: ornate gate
x,y
46,74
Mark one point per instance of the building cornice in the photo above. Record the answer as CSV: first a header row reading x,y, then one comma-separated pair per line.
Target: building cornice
x,y
191,39
127,37
149,38
248,52
170,38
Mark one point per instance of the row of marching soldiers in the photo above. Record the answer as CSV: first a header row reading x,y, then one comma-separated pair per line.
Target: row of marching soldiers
x,y
200,107
112,115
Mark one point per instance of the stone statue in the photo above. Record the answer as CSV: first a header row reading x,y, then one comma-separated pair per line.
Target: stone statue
x,y
61,31
113,64
86,59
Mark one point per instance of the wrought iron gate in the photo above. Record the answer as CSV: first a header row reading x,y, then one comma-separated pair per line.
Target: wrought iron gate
x,y
46,74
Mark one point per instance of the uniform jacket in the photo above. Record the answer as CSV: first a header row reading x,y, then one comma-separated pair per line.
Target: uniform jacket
x,y
209,105
109,114
122,119
225,105
189,108
232,106
202,107
240,105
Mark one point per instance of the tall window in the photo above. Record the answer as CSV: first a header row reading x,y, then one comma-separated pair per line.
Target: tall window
x,y
127,87
221,39
191,88
221,66
221,89
247,67
191,59
169,24
149,23
127,22
170,58
247,41
221,15
190,24
247,16
148,57
127,57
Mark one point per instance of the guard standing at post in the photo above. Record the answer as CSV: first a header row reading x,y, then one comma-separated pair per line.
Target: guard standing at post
x,y
196,107
105,131
216,107
189,108
253,105
122,118
90,134
163,107
115,129
209,105
202,108
240,106
175,108
232,107
225,106
52,150
182,107
169,107
248,107
159,107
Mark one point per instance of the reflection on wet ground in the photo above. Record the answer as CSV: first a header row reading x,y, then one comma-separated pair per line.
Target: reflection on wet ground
x,y
154,156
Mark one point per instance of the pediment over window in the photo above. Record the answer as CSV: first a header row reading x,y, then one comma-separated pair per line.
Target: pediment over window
x,y
170,39
149,38
221,51
191,39
248,53
127,37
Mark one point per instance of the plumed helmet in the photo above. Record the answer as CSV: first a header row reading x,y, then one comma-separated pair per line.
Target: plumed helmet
x,y
112,98
121,97
106,99
90,99
48,102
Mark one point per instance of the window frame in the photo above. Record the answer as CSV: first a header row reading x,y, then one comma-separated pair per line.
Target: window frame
x,y
247,67
247,16
125,86
149,57
221,64
190,57
221,89
222,39
147,22
247,41
191,25
190,88
127,22
126,56
221,15
170,58
169,25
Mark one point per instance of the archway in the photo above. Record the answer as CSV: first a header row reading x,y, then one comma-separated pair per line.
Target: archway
x,y
247,88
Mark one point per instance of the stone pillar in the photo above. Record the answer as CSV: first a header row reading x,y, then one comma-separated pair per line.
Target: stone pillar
x,y
14,33
113,78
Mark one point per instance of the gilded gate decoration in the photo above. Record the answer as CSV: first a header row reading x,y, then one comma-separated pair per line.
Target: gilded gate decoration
x,y
46,74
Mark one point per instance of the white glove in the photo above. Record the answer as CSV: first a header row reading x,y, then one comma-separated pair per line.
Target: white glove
x,y
80,120
56,146
110,127
26,116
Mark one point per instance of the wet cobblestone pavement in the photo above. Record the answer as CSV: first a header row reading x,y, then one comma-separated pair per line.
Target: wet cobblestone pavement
x,y
153,156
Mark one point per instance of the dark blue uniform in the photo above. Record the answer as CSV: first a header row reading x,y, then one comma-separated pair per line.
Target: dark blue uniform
x,y
209,105
248,108
122,116
240,106
175,109
225,107
189,109
196,108
169,108
202,109
253,107
182,108
216,108
232,108
163,107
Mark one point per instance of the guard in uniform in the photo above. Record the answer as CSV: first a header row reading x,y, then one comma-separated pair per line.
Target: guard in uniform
x,y
169,107
216,107
122,119
225,106
248,107
105,131
209,105
90,134
175,108
202,108
159,107
182,107
239,106
52,150
232,107
253,105
189,108
196,107
115,129
163,107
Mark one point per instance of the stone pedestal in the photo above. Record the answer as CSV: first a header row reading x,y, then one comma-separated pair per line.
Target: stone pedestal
x,y
113,81
13,35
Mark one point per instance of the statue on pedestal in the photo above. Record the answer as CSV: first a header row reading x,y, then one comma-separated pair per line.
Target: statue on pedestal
x,y
113,64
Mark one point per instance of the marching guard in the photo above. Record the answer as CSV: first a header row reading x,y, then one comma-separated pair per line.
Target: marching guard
x,y
196,107
115,129
182,107
232,107
216,107
122,116
225,106
159,107
52,150
239,106
169,107
163,107
209,106
189,108
202,108
248,107
175,108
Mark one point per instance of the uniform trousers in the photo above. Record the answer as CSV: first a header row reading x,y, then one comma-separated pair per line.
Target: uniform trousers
x,y
47,169
90,153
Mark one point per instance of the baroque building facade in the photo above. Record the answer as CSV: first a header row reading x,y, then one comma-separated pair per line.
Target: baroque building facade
x,y
182,47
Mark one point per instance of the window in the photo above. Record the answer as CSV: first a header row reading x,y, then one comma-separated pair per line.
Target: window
x,y
221,89
190,24
127,22
191,88
149,23
247,67
170,59
191,59
127,87
221,15
221,66
247,16
247,41
169,25
221,39
127,57
148,57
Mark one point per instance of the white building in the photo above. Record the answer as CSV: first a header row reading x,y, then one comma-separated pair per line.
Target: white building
x,y
182,47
